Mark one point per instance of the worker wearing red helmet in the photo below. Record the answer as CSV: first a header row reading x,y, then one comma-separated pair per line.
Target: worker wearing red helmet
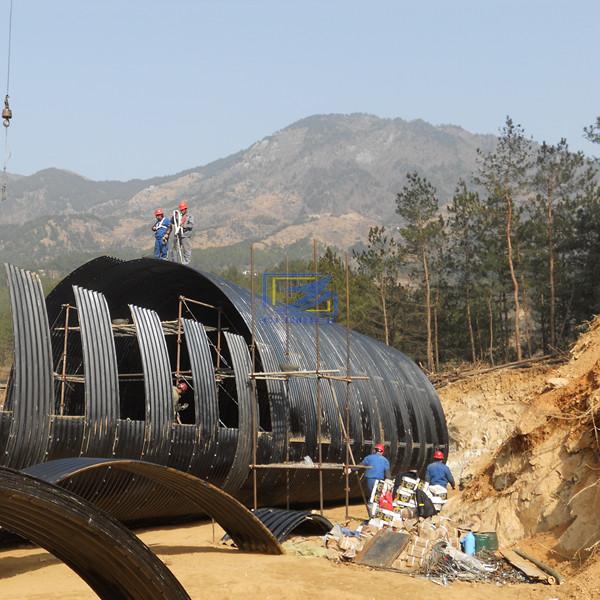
x,y
379,466
438,473
179,391
184,225
160,228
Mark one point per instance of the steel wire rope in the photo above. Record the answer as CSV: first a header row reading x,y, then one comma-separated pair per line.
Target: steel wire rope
x,y
7,122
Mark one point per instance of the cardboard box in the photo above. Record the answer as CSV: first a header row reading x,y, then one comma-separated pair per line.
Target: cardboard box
x,y
416,551
419,542
412,563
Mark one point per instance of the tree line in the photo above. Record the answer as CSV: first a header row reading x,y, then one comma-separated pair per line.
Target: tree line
x,y
508,269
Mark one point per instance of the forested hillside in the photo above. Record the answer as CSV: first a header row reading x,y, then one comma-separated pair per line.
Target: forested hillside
x,y
501,268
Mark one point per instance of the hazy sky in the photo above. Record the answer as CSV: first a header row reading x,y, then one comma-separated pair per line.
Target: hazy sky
x,y
116,89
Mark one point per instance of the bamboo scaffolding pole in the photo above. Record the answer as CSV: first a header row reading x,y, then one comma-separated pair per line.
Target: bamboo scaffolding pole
x,y
318,382
253,380
348,381
287,358
179,325
64,361
193,301
309,466
219,319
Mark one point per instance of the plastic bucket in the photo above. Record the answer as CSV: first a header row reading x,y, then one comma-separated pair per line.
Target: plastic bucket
x,y
487,540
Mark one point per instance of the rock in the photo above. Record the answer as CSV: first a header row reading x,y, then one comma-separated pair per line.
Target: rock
x,y
557,382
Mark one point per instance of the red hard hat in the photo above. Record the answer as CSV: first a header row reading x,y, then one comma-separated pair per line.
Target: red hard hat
x,y
182,205
158,211
438,454
379,447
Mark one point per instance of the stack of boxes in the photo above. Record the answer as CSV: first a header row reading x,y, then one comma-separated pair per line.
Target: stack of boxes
x,y
388,508
427,533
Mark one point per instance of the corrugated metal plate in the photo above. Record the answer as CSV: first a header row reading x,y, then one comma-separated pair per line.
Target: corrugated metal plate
x,y
160,410
281,523
242,367
242,525
31,386
101,376
205,398
109,557
66,436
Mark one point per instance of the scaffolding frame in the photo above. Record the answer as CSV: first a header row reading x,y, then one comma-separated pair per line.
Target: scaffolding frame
x,y
349,465
169,327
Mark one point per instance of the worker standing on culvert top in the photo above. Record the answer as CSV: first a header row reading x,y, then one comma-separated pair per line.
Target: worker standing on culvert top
x,y
380,466
160,227
183,224
438,473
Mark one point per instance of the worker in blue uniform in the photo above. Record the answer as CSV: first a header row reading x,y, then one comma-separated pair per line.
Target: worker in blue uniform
x,y
438,473
380,466
160,227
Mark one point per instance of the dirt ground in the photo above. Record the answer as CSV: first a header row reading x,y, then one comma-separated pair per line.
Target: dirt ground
x,y
211,570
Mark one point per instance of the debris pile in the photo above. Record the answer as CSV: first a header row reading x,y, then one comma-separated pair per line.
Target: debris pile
x,y
401,537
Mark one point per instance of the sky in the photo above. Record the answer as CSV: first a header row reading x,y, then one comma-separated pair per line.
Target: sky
x,y
122,89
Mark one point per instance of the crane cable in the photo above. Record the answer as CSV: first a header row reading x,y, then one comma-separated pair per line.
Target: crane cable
x,y
6,111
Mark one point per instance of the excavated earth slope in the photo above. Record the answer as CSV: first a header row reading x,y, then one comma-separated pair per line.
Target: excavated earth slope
x,y
527,452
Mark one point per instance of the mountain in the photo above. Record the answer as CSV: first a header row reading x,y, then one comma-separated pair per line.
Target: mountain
x,y
326,176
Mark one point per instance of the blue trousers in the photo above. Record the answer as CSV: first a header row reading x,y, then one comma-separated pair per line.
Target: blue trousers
x,y
370,486
160,248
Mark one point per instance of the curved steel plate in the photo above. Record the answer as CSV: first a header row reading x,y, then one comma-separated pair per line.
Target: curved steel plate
x,y
111,559
241,524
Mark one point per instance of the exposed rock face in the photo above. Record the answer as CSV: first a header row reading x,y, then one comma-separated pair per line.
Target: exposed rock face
x,y
543,477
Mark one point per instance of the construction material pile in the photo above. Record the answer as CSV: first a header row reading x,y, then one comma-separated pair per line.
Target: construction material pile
x,y
391,504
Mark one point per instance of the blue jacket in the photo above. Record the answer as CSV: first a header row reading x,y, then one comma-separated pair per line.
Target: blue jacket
x,y
380,466
438,473
160,227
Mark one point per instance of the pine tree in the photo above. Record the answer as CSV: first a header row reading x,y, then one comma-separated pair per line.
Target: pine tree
x,y
465,251
381,262
557,176
418,206
503,173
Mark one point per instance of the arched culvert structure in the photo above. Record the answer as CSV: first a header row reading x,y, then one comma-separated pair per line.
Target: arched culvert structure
x,y
112,560
127,375
282,523
90,478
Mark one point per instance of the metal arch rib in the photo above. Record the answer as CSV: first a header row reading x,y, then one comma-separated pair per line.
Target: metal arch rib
x,y
242,367
101,374
31,388
246,530
282,523
109,557
160,411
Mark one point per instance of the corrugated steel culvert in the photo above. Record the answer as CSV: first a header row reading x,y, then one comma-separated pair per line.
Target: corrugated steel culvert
x,y
115,399
111,559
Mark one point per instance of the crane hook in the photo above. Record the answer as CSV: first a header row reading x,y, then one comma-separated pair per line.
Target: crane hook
x,y
6,112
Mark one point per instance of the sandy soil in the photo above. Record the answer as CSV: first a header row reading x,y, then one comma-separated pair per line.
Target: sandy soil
x,y
210,570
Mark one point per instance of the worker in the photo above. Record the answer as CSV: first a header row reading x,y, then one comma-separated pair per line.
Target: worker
x,y
438,473
160,227
179,391
380,466
183,233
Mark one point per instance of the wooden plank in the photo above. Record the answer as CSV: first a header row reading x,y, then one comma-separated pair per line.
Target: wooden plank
x,y
383,549
527,567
